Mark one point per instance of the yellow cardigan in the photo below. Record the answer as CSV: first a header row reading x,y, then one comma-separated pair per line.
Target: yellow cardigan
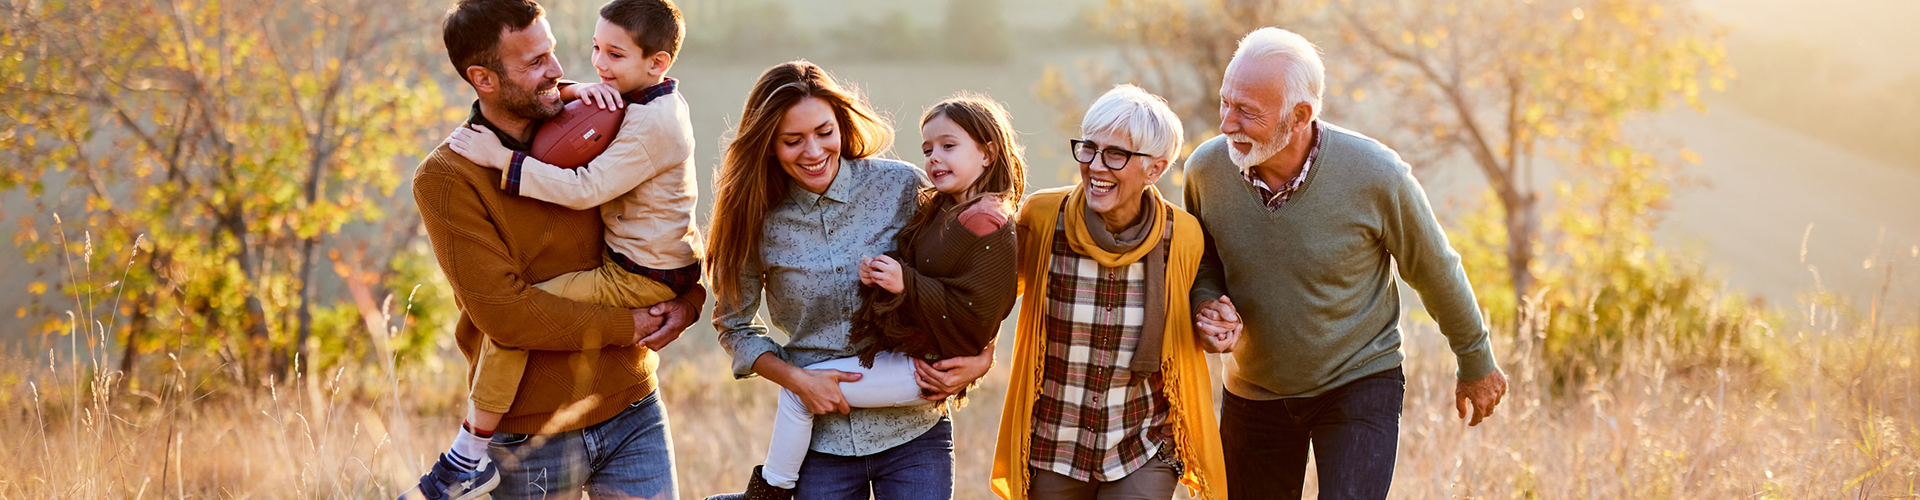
x,y
1184,375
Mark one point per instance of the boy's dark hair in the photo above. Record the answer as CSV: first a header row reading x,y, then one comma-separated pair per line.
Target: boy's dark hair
x,y
472,31
655,25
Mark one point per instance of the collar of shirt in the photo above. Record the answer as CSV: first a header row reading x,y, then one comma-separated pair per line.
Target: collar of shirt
x,y
510,142
656,91
840,191
1275,197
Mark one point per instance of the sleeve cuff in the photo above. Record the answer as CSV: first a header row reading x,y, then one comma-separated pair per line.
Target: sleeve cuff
x,y
1477,365
889,301
510,181
747,348
1200,295
624,323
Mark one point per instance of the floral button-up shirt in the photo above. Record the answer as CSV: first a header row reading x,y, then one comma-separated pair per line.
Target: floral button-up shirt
x,y
808,272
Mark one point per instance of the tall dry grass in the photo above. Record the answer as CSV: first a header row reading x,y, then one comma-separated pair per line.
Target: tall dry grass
x,y
1823,403
1832,413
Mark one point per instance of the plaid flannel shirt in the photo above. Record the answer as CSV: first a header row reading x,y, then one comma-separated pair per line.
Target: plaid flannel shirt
x,y
1275,198
1095,420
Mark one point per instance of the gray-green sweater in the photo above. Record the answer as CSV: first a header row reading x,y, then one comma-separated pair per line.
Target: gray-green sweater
x,y
1314,279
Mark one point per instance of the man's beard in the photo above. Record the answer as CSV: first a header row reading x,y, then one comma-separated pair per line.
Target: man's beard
x,y
524,101
1261,151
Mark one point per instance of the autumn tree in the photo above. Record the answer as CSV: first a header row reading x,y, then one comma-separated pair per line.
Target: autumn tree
x,y
1513,87
233,141
1521,87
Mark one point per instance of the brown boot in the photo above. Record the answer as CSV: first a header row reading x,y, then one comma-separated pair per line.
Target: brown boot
x,y
757,489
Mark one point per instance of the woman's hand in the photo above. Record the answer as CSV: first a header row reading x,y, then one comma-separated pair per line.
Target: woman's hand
x,y
883,272
947,377
480,146
599,95
818,389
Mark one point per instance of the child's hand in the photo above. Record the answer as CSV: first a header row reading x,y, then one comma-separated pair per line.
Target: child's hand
x,y
600,95
480,146
883,272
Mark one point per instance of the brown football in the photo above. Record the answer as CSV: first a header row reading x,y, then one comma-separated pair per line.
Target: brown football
x,y
580,133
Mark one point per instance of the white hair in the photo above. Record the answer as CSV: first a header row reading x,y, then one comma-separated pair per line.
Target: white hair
x,y
1303,75
1142,116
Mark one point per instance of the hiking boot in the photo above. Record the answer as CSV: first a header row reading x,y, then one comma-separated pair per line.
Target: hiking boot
x,y
757,489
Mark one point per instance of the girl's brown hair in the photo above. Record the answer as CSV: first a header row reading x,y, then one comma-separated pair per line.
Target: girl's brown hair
x,y
988,124
750,182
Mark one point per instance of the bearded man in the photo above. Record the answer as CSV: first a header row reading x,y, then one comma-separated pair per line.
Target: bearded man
x,y
1306,223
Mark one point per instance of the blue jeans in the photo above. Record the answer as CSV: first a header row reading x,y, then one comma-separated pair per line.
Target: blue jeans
x,y
1354,430
627,456
918,469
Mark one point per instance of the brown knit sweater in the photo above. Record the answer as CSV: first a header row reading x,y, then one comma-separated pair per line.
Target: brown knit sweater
x,y
956,288
582,366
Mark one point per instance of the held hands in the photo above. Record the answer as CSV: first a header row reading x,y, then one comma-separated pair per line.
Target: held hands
x,y
479,145
599,95
883,272
1480,396
1217,326
657,326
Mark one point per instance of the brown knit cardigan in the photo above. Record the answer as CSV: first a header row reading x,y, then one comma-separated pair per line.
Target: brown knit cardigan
x,y
956,288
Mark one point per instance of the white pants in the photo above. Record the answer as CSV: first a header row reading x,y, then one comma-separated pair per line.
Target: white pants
x,y
889,383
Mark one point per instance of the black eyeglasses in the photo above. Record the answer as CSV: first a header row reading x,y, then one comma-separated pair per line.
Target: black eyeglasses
x,y
1110,158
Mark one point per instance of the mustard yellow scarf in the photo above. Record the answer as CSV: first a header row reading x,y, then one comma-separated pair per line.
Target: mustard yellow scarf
x,y
1183,367
1082,241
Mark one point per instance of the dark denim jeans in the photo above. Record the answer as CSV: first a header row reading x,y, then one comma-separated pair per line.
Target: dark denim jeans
x,y
627,456
1354,431
918,469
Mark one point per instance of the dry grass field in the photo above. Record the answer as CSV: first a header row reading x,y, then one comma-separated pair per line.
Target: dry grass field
x,y
1830,411
1820,401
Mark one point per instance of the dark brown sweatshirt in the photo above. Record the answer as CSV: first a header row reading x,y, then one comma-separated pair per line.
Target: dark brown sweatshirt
x,y
956,287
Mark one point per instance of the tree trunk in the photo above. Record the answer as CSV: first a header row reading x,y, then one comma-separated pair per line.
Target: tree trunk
x,y
1523,228
130,353
260,343
304,314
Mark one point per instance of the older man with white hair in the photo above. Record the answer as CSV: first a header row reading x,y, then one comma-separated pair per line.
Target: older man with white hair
x,y
1306,224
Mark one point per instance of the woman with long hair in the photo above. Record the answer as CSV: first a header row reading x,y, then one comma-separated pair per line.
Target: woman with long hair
x,y
801,200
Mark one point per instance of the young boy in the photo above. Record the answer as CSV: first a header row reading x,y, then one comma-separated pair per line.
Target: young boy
x,y
644,187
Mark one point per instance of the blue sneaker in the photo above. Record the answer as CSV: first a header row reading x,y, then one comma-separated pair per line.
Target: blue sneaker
x,y
444,482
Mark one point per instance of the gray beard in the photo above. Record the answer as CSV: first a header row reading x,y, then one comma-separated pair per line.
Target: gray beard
x,y
1262,151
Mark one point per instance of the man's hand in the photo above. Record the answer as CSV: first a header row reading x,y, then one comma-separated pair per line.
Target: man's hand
x,y
947,377
1217,326
675,316
644,324
479,145
1483,394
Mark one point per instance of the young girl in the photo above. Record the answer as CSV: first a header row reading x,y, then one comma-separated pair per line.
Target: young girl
x,y
942,294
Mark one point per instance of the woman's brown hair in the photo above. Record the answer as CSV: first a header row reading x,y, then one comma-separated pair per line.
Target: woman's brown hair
x,y
750,182
988,124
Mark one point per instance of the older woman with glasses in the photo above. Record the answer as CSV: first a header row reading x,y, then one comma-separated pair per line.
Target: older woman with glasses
x,y
1109,395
